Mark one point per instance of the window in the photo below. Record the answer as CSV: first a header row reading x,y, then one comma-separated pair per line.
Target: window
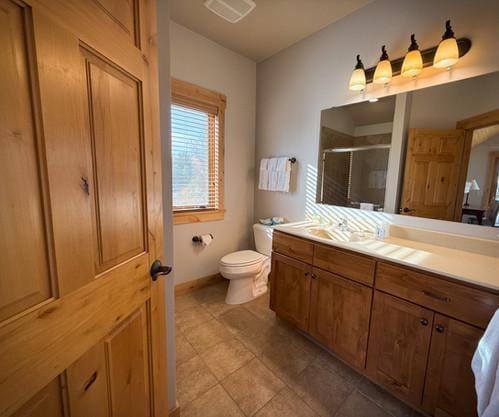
x,y
197,117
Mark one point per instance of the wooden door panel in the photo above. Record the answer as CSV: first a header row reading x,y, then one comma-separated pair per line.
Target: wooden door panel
x,y
398,346
87,384
46,403
24,246
115,118
340,310
124,15
48,340
450,383
67,150
290,289
128,364
79,149
432,168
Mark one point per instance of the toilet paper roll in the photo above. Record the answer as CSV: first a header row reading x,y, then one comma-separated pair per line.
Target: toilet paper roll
x,y
206,239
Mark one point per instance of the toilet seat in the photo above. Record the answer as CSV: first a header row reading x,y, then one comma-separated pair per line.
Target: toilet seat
x,y
242,259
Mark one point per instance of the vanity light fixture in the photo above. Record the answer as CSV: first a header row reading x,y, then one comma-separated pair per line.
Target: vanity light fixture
x,y
447,52
358,78
413,62
383,73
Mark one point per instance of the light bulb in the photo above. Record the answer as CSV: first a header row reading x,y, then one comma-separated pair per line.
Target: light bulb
x,y
358,78
447,52
413,62
383,72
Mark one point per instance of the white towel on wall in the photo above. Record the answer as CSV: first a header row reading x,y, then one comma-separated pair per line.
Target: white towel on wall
x,y
275,174
485,365
263,180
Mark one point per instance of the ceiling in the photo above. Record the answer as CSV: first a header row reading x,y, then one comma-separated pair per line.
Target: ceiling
x,y
272,26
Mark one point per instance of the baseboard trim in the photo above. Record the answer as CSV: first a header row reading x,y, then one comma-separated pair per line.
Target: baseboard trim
x,y
195,284
175,412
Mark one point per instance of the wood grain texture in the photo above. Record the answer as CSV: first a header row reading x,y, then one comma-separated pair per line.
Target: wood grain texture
x,y
294,247
54,43
87,384
357,267
291,285
25,269
340,312
433,163
127,355
450,383
464,303
185,287
48,340
46,403
398,346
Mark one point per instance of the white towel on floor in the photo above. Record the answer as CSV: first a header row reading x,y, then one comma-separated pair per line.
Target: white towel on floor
x,y
485,365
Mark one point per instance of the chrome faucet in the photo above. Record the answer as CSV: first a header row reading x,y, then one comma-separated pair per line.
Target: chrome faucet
x,y
343,225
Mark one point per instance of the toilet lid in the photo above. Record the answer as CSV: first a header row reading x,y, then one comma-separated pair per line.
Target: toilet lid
x,y
242,258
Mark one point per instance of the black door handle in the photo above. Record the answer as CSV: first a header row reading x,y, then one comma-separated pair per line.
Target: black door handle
x,y
158,270
406,210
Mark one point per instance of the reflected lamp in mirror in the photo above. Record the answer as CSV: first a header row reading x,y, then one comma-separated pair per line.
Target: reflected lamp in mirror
x,y
447,52
383,72
470,186
358,78
413,62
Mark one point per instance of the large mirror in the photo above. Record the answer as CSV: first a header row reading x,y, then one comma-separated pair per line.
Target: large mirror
x,y
430,153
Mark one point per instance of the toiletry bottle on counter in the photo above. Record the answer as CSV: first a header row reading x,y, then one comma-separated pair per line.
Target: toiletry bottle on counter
x,y
381,231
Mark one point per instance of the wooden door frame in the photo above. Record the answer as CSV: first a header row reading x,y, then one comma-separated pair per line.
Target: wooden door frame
x,y
469,125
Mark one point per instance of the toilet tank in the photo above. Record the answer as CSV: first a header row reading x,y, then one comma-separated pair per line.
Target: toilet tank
x,y
263,239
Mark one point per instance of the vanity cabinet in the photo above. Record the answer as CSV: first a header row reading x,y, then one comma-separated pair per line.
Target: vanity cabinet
x,y
411,331
450,383
399,346
339,315
290,294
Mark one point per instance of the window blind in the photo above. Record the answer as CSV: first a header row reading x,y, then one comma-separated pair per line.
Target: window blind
x,y
195,158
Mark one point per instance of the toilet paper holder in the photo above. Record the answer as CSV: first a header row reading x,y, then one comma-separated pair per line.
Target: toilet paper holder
x,y
198,239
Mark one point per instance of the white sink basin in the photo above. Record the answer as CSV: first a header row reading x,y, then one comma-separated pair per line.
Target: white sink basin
x,y
332,233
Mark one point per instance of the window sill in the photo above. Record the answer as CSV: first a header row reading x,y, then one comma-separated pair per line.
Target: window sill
x,y
196,216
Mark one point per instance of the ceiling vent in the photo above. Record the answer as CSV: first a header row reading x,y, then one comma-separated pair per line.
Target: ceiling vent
x,y
231,10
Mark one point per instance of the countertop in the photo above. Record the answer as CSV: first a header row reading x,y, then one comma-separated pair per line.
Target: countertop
x,y
473,268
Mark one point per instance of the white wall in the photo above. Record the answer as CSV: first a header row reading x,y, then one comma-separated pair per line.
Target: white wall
x,y
200,61
296,84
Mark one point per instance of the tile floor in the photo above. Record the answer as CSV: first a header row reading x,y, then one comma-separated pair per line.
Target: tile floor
x,y
237,361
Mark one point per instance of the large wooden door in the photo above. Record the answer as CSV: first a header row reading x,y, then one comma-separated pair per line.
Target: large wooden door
x,y
433,166
450,383
340,310
82,326
290,289
398,345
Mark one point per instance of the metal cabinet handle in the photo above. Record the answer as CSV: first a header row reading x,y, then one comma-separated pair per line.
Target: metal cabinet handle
x,y
439,328
424,322
157,270
436,296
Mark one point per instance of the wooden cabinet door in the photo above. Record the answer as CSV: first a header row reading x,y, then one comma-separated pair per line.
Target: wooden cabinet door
x,y
339,315
450,384
80,209
399,345
290,289
433,164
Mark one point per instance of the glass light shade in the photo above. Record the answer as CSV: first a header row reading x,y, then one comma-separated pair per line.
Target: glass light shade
x,y
447,54
383,72
413,64
357,80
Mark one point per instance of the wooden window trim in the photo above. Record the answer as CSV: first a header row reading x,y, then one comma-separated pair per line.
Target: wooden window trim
x,y
200,98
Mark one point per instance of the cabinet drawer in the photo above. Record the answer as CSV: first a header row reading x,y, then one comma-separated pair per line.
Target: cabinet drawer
x,y
467,304
293,246
357,267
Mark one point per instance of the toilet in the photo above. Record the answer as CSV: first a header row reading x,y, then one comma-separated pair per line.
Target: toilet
x,y
247,270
